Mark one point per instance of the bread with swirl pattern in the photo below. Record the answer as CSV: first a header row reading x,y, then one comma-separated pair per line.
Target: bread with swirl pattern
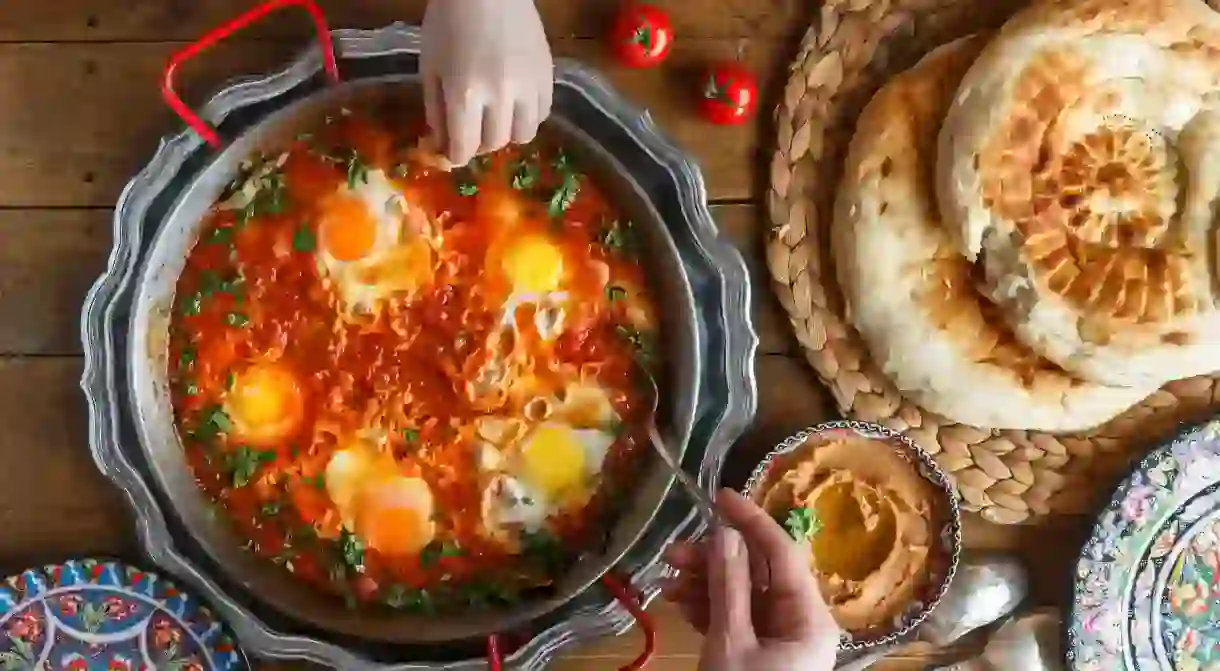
x,y
912,295
1076,168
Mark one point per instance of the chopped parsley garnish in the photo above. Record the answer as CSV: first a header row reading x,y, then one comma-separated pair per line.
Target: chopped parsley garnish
x,y
245,462
484,593
479,164
411,600
191,389
221,235
410,435
642,342
619,236
525,174
318,481
615,293
432,553
237,319
212,422
352,550
564,195
357,170
271,198
544,548
270,508
467,188
193,304
561,162
230,380
304,240
210,282
187,358
803,523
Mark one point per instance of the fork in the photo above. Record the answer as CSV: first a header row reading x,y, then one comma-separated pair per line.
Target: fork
x,y
701,498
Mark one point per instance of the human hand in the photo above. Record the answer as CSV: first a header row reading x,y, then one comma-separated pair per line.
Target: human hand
x,y
488,74
750,591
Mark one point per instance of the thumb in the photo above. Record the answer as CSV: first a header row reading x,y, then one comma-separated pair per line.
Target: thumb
x,y
730,627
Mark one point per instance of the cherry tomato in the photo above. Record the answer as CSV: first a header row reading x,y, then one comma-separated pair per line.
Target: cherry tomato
x,y
730,94
642,36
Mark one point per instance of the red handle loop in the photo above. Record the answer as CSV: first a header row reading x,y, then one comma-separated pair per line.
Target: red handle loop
x,y
625,594
203,128
495,659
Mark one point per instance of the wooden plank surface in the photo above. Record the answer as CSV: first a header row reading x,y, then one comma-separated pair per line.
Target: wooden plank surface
x,y
127,20
80,113
101,105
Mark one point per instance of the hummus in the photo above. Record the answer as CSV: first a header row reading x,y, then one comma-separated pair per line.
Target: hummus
x,y
875,540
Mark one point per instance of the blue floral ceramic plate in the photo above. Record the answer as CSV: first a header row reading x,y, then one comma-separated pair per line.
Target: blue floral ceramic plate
x,y
1147,594
92,615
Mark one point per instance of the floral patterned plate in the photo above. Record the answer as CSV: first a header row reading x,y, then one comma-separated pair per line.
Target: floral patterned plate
x,y
90,615
1147,594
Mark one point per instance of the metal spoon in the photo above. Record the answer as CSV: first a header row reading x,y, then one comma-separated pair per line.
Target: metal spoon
x,y
701,498
987,587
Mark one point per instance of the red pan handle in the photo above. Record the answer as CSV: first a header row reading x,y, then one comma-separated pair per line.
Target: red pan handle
x,y
625,594
209,40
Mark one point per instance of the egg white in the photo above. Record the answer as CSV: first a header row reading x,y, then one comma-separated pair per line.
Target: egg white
x,y
361,469
397,223
513,501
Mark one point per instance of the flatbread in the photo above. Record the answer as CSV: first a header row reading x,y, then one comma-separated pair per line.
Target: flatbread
x,y
1072,165
912,295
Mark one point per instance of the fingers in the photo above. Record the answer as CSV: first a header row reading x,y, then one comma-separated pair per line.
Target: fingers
x,y
434,109
464,121
792,587
525,121
687,557
728,589
545,96
787,563
690,595
497,123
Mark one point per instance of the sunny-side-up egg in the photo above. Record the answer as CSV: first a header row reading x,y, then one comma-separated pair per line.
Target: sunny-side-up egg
x,y
265,404
386,509
373,242
534,270
538,472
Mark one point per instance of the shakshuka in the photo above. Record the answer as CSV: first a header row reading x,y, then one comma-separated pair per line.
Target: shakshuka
x,y
412,383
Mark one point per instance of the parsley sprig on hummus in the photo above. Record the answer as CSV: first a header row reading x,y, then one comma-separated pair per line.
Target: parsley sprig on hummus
x,y
803,523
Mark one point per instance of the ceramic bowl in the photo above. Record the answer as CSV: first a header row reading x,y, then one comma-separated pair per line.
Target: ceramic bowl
x,y
949,545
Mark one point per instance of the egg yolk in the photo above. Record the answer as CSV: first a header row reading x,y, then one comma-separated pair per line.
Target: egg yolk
x,y
394,516
405,268
552,460
265,404
389,512
347,230
533,265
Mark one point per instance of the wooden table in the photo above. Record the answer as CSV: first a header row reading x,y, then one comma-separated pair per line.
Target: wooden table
x,y
80,113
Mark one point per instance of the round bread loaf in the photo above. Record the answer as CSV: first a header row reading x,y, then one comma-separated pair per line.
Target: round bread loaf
x,y
1076,166
913,296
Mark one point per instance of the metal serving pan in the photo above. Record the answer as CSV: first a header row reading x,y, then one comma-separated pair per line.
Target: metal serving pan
x,y
719,400
150,388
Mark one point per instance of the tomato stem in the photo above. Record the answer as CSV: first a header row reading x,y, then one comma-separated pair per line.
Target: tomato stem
x,y
643,36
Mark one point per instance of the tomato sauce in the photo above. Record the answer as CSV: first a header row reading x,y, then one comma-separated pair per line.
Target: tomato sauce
x,y
255,292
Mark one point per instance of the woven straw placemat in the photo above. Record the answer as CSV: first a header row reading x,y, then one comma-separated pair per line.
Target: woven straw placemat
x,y
1007,476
